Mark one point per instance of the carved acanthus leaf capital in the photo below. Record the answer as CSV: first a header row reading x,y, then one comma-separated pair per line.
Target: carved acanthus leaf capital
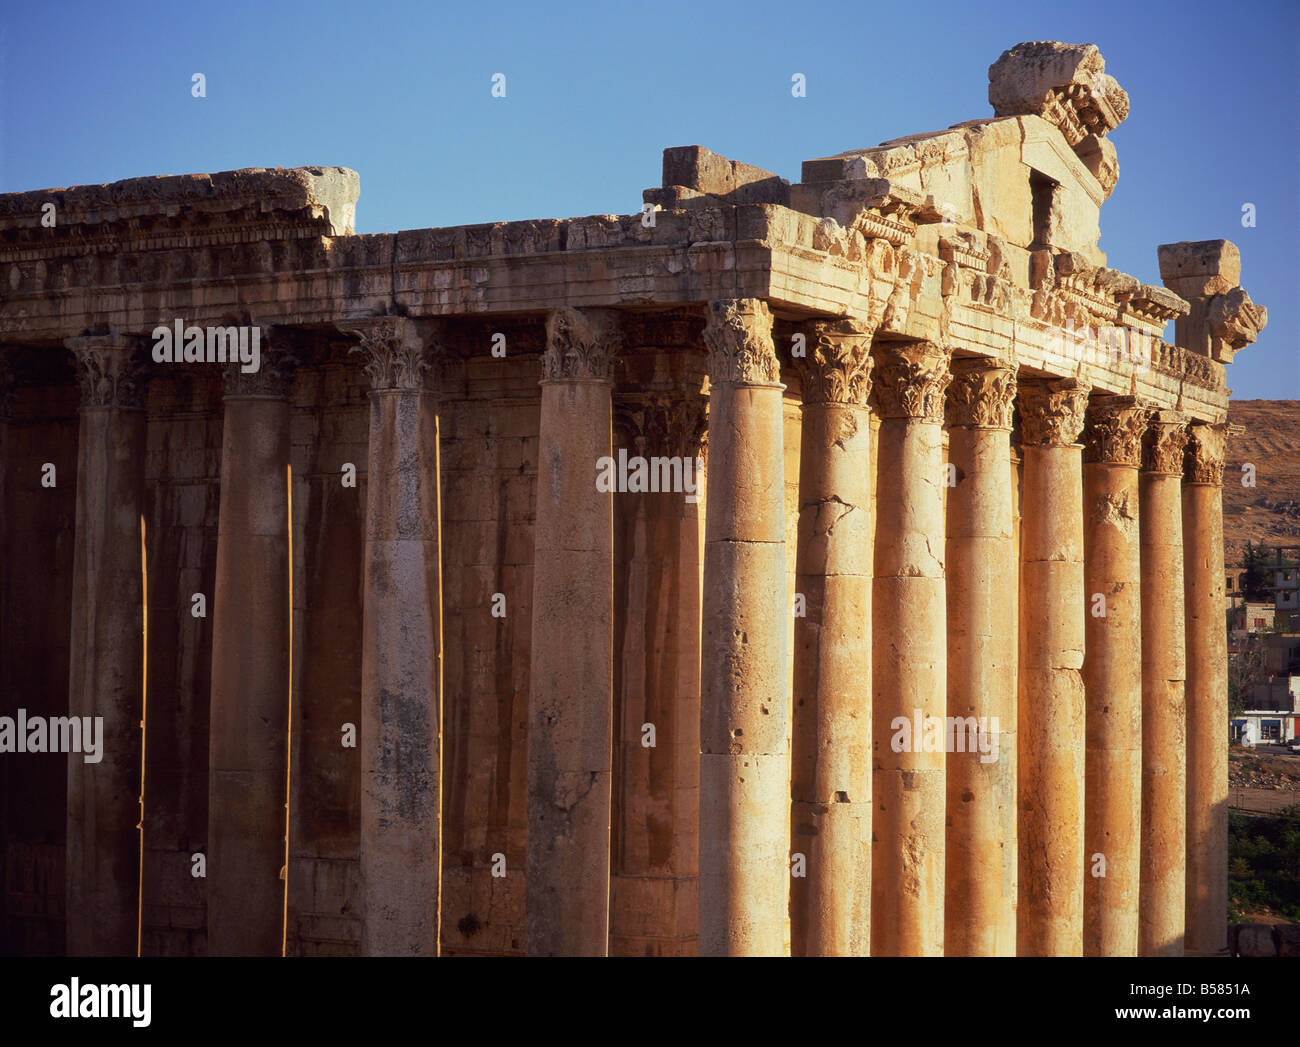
x,y
1164,443
671,424
398,356
111,369
1113,434
272,379
982,394
739,337
911,379
837,366
580,343
1207,447
1052,412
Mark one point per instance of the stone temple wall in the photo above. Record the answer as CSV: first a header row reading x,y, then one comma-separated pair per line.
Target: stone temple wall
x,y
388,662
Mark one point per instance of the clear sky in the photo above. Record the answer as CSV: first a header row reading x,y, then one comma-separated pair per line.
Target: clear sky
x,y
401,92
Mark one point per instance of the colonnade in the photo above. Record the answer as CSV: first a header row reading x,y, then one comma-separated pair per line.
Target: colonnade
x,y
1044,595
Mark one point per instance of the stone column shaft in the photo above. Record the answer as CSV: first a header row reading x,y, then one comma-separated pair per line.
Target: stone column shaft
x,y
571,697
401,649
744,766
1164,730
248,733
1207,695
1051,711
107,653
980,855
830,911
1112,675
909,649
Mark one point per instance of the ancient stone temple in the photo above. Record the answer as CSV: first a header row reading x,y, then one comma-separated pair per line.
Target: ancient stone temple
x,y
817,568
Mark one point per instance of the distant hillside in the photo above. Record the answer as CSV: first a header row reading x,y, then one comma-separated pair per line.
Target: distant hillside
x,y
1269,511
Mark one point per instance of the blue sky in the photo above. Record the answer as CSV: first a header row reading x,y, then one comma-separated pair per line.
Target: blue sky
x,y
94,92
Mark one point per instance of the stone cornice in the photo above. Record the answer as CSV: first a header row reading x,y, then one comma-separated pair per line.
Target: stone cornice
x,y
581,344
739,338
1205,454
111,370
911,379
837,367
1164,443
1113,431
398,357
1052,412
982,394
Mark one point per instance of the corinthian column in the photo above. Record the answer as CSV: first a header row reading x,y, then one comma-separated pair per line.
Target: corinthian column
x,y
401,648
1049,921
830,907
909,646
744,767
570,704
980,856
1112,675
1207,694
1164,733
248,733
107,651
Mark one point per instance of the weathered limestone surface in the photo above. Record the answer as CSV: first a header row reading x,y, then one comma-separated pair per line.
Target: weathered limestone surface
x,y
250,612
401,655
1051,710
830,907
571,701
1112,674
744,761
500,631
980,856
107,668
1164,708
1206,694
659,544
909,644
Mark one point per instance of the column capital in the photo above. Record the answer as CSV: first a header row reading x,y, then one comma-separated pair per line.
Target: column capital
x,y
398,355
983,393
1206,452
271,380
911,379
581,344
1052,411
673,424
837,367
1164,443
739,337
1113,431
111,369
